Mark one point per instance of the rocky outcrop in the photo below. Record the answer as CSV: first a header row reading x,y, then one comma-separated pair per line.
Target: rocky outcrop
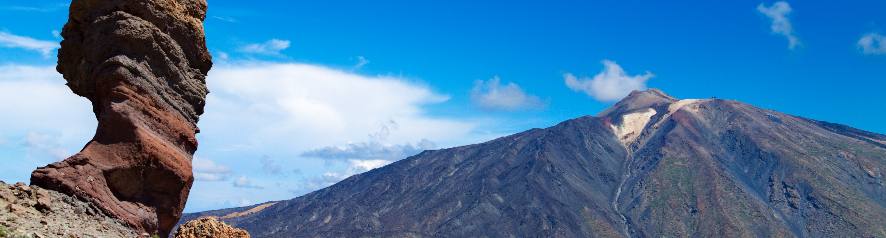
x,y
208,227
142,64
31,211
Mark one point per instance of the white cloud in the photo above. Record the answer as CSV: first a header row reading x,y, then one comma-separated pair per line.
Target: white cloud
x,y
778,13
23,42
244,182
208,170
292,108
872,44
611,84
270,47
492,95
41,102
359,166
361,61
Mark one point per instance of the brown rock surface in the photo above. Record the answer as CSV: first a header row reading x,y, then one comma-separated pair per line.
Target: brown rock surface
x,y
142,64
208,227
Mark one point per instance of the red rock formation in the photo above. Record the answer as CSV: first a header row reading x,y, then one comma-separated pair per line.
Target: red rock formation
x,y
142,64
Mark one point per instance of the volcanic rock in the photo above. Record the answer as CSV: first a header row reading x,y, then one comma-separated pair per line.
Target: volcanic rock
x,y
142,64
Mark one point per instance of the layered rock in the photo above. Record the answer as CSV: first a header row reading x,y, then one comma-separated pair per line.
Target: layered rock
x,y
142,64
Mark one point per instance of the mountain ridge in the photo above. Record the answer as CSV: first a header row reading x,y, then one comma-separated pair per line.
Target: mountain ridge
x,y
708,167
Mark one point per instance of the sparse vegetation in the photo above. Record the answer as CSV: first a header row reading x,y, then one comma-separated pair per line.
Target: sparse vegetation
x,y
3,232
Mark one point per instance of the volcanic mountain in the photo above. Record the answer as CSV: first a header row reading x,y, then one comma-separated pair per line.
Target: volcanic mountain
x,y
651,165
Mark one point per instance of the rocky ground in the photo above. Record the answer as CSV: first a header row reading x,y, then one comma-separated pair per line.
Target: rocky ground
x,y
31,211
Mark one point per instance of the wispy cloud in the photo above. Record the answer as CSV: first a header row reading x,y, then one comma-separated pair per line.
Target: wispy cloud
x,y
270,47
370,150
364,156
778,14
321,181
245,182
10,40
612,84
361,61
331,177
208,170
491,94
225,19
221,56
41,9
374,149
872,44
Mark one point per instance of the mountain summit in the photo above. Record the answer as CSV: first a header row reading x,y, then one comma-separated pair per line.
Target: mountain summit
x,y
651,165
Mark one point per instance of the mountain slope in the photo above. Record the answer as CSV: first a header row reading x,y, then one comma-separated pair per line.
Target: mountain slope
x,y
651,165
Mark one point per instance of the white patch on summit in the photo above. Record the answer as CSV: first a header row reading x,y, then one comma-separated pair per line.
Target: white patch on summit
x,y
689,104
632,125
674,107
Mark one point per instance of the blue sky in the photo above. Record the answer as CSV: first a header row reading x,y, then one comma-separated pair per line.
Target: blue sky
x,y
305,93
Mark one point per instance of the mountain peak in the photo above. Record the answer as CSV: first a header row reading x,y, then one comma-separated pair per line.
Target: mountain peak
x,y
639,100
651,92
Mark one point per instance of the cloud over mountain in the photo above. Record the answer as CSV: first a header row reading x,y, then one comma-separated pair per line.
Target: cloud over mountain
x,y
493,95
611,84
